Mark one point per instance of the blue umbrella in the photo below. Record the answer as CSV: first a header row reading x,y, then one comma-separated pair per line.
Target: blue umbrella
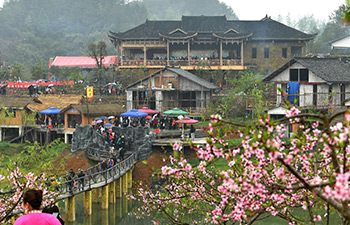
x,y
108,124
134,113
51,110
103,117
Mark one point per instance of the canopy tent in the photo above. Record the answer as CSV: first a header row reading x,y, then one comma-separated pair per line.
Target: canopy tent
x,y
134,113
175,112
148,111
51,110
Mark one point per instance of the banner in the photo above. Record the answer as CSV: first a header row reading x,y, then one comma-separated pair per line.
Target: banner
x,y
89,93
11,84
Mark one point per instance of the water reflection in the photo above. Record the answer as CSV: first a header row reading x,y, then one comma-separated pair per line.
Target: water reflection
x,y
117,214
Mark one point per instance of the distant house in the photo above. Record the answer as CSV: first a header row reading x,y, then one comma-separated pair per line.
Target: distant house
x,y
313,82
83,61
341,46
86,63
169,88
84,114
13,112
209,42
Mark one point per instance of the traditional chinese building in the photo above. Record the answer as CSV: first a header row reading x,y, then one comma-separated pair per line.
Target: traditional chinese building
x,y
209,42
169,88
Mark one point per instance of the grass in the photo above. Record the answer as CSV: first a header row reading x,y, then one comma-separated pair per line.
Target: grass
x,y
30,157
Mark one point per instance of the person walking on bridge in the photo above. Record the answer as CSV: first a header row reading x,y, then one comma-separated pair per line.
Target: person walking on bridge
x,y
81,176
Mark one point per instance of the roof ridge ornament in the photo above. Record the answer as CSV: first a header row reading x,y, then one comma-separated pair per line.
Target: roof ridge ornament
x,y
231,30
177,30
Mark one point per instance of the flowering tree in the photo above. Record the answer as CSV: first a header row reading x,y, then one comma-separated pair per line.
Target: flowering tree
x,y
13,187
267,174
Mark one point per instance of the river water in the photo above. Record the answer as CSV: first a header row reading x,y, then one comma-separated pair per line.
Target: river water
x,y
117,214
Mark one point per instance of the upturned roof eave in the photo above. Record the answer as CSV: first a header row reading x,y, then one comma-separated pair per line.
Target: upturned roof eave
x,y
169,37
232,38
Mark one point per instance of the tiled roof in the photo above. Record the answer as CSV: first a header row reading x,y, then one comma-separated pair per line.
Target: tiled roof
x,y
98,109
264,29
16,102
57,101
332,70
193,78
182,73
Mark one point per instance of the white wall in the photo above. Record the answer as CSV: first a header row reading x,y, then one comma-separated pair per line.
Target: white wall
x,y
343,43
284,75
128,100
306,95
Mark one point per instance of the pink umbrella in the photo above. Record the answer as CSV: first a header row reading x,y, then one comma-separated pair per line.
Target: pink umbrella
x,y
148,111
186,120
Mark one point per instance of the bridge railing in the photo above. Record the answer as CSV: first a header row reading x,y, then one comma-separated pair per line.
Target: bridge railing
x,y
95,177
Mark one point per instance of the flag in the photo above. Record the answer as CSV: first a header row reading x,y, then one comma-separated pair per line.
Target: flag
x,y
89,93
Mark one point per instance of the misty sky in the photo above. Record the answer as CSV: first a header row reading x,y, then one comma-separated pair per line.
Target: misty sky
x,y
257,9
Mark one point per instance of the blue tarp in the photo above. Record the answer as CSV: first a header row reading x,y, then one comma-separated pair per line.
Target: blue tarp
x,y
293,92
51,110
134,113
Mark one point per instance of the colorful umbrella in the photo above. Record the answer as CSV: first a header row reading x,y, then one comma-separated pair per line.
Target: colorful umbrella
x,y
51,110
148,111
186,120
134,113
176,112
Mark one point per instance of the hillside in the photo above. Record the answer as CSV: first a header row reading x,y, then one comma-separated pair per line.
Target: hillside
x,y
33,31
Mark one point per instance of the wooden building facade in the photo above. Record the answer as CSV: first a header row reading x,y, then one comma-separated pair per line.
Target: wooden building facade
x,y
209,42
169,88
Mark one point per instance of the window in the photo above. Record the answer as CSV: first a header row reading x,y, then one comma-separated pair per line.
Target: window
x,y
266,53
73,120
10,113
342,94
296,51
304,75
293,75
284,52
314,95
299,75
254,53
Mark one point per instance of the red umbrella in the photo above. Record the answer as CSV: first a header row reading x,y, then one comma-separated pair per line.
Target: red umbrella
x,y
148,117
148,111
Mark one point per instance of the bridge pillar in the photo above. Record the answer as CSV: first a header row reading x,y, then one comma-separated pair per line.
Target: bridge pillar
x,y
104,216
112,196
119,187
96,195
129,174
125,205
104,197
125,183
87,203
70,209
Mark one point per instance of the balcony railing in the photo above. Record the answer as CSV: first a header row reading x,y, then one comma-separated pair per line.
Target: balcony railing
x,y
193,62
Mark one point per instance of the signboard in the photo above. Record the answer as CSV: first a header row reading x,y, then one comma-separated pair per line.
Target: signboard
x,y
89,93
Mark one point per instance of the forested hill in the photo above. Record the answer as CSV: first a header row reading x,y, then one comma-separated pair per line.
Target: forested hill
x,y
35,30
